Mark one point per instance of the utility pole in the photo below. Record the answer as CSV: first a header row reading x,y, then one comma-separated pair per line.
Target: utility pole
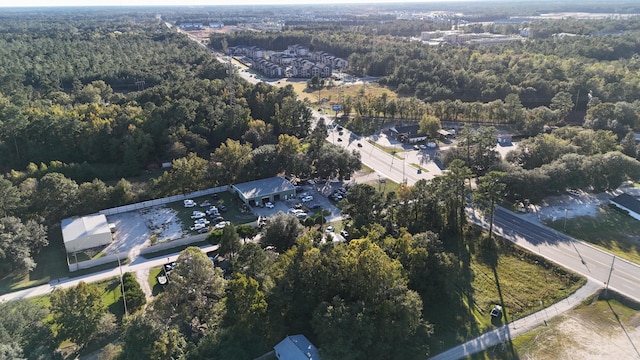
x,y
124,299
606,289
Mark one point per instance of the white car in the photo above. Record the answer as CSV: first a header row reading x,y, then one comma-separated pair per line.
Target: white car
x,y
197,227
202,221
431,145
302,215
269,205
198,215
330,228
221,225
307,198
205,203
189,203
295,211
212,211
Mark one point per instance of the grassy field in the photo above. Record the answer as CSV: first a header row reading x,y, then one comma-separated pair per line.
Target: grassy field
x,y
611,230
386,187
335,93
509,276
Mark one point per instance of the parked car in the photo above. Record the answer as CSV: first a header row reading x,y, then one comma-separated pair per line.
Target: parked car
x,y
189,203
269,205
416,147
359,144
202,221
431,145
221,225
496,312
212,210
307,198
197,215
339,139
204,230
295,211
344,234
299,188
215,197
217,219
222,208
302,215
422,147
197,227
205,203
330,228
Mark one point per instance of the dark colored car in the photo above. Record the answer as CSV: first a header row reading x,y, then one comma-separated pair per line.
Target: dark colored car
x,y
217,219
222,208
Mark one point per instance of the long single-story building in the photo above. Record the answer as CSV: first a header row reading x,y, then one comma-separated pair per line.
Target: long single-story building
x,y
296,347
407,134
85,232
628,203
258,192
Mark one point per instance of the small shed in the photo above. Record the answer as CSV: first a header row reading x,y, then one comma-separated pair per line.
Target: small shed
x,y
258,192
629,204
296,347
85,232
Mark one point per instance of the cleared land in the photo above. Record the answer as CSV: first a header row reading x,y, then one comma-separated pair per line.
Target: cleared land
x,y
602,329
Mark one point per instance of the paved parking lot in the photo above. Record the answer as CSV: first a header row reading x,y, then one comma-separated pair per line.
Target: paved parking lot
x,y
318,199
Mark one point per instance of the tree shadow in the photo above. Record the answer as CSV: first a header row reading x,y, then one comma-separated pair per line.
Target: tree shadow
x,y
625,302
507,347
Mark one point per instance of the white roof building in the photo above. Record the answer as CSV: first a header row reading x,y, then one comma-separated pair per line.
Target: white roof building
x,y
85,232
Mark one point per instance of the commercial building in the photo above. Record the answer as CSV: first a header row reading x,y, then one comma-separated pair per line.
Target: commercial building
x,y
258,192
85,232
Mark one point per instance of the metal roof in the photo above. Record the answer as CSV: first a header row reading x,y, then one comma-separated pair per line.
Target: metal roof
x,y
296,347
264,187
75,228
628,202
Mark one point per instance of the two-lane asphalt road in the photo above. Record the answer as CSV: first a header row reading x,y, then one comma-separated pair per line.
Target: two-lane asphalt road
x,y
575,255
385,164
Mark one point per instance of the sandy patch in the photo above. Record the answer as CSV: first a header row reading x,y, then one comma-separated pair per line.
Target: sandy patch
x,y
558,207
576,338
136,229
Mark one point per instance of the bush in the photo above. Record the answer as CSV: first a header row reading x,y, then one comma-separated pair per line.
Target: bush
x,y
133,293
214,237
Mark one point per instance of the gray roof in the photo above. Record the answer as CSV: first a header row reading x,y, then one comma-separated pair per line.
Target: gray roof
x,y
628,202
76,228
264,187
296,347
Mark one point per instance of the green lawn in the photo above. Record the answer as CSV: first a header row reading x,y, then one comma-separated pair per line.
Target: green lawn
x,y
519,281
610,229
389,150
156,288
385,187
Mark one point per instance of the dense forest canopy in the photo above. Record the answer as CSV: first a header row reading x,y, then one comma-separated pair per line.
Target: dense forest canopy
x,y
104,96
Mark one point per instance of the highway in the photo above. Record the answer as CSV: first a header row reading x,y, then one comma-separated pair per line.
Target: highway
x,y
580,257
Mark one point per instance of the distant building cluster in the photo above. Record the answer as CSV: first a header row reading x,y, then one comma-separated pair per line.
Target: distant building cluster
x,y
200,26
459,37
295,61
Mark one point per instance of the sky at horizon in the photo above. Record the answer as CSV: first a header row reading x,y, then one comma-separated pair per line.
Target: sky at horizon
x,y
122,3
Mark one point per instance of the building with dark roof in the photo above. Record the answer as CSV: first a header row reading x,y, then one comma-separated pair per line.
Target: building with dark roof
x,y
628,203
258,192
296,347
407,134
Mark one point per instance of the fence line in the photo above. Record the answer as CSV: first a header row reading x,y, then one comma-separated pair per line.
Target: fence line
x,y
96,262
156,202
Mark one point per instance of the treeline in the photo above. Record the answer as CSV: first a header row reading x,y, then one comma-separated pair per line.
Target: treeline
x,y
535,70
